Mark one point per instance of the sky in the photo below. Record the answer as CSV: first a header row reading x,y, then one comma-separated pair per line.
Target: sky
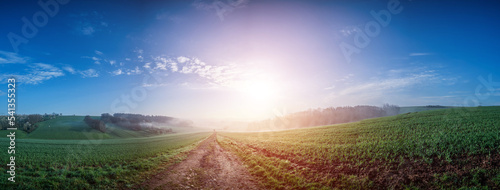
x,y
246,59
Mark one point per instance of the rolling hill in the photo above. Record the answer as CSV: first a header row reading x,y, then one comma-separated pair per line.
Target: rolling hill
x,y
73,127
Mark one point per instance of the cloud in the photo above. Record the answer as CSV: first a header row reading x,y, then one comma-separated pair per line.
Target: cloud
x,y
136,71
117,72
2,93
348,30
330,87
96,60
148,85
112,62
39,72
161,66
89,23
386,87
219,75
98,52
345,78
420,54
163,63
173,66
89,73
213,75
182,59
69,69
11,57
391,83
87,30
139,51
167,16
221,8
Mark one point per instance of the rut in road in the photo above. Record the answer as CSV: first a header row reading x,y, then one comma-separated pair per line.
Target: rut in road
x,y
207,167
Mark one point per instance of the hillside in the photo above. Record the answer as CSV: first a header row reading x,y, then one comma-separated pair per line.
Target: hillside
x,y
435,149
73,127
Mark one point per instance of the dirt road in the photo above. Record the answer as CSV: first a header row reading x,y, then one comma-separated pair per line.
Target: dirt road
x,y
207,167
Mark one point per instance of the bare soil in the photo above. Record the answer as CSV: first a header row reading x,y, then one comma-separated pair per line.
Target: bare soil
x,y
207,167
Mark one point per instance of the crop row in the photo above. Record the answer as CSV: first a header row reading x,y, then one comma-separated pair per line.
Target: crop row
x,y
432,139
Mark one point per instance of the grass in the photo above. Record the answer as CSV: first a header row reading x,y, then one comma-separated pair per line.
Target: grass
x,y
446,148
92,164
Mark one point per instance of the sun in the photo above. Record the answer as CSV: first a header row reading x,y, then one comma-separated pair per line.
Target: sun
x,y
260,90
258,95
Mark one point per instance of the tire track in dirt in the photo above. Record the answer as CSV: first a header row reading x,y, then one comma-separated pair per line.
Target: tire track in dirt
x,y
207,167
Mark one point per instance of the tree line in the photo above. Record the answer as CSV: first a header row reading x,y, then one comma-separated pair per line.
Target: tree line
x,y
136,122
326,116
95,123
26,123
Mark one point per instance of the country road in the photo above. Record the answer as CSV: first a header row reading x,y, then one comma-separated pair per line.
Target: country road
x,y
207,167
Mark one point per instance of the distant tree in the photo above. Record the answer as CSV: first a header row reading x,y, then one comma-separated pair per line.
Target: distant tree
x,y
391,109
35,118
106,117
95,124
26,126
315,117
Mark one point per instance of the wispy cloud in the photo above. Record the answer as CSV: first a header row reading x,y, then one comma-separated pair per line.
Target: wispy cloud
x,y
117,72
2,93
345,78
134,71
348,30
330,87
221,8
390,83
38,72
98,52
69,69
420,54
169,17
139,53
89,73
95,59
89,23
390,86
11,57
213,74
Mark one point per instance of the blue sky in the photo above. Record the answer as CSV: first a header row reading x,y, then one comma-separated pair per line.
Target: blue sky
x,y
244,59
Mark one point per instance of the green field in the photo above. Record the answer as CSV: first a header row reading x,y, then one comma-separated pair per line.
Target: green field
x,y
435,149
438,149
91,164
